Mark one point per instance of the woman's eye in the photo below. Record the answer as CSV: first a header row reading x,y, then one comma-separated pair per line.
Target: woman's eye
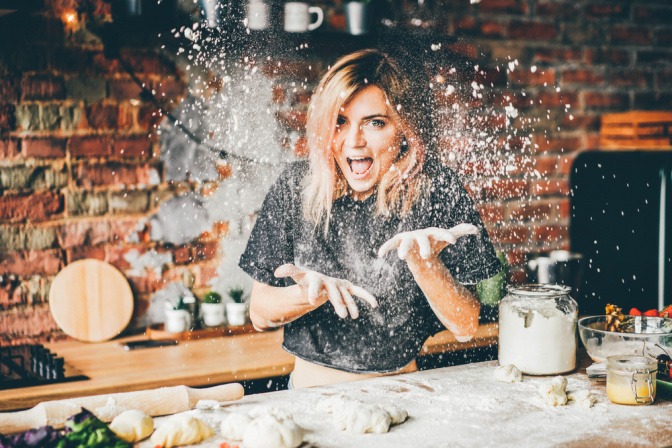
x,y
377,123
340,121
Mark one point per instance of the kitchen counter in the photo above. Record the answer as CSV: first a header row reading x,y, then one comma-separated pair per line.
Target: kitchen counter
x,y
463,406
203,362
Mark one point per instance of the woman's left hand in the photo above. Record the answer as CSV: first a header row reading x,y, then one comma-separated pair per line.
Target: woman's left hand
x,y
427,243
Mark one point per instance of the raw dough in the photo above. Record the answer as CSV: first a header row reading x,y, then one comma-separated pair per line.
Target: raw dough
x,y
553,391
233,426
181,429
132,425
508,374
263,427
355,416
582,397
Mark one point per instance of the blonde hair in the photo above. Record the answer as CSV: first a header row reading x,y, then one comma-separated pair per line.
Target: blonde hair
x,y
411,104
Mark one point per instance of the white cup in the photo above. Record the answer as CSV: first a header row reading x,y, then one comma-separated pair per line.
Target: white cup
x,y
257,15
177,321
297,17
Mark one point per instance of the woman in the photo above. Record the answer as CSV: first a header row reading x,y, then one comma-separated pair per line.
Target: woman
x,y
373,183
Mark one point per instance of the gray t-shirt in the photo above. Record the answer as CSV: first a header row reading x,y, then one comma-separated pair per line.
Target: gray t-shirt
x,y
388,337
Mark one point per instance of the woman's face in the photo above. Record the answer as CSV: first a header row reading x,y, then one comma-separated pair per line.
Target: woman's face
x,y
367,141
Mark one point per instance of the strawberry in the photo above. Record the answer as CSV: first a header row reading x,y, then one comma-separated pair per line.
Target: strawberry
x,y
666,312
635,312
651,313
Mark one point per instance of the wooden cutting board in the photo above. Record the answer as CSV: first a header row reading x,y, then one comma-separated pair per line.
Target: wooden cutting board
x,y
91,300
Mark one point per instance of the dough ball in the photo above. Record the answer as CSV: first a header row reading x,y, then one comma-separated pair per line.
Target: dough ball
x,y
508,374
234,425
355,416
582,397
181,429
553,391
269,431
132,425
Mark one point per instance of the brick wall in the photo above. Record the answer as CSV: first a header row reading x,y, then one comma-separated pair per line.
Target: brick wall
x,y
81,167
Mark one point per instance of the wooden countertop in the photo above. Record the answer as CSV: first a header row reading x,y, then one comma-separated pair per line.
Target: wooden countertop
x,y
203,362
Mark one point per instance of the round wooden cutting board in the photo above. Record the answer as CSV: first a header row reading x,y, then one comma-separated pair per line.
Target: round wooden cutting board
x,y
91,300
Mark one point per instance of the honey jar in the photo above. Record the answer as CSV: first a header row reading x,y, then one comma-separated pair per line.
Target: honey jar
x,y
631,379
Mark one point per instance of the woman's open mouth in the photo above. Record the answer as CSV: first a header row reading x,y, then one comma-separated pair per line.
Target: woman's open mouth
x,y
360,166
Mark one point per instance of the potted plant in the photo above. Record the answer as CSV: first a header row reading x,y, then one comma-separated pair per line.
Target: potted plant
x,y
236,310
212,309
178,317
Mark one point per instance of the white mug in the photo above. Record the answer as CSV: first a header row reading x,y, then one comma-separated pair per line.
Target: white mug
x,y
257,15
177,321
297,17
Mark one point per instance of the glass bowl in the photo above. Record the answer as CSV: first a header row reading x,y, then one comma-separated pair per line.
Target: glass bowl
x,y
651,336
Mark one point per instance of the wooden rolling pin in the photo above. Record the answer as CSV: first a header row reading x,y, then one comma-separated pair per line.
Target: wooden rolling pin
x,y
162,401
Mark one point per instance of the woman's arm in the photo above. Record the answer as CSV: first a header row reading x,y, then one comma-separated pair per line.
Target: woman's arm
x,y
454,305
272,306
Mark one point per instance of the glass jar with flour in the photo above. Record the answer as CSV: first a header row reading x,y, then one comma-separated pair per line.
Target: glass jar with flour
x,y
537,329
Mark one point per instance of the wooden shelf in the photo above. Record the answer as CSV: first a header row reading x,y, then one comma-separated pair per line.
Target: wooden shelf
x,y
158,332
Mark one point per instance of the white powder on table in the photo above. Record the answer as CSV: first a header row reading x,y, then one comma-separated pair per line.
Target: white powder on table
x,y
537,340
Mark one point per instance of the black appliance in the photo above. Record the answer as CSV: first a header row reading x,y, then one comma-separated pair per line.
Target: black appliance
x,y
621,222
34,365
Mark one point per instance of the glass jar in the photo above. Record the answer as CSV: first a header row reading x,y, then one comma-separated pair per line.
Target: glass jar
x,y
631,379
537,329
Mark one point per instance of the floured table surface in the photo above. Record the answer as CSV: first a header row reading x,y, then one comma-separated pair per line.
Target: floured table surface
x,y
464,406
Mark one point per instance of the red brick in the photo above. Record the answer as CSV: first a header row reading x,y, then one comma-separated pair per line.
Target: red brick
x,y
42,87
299,70
499,7
550,187
27,322
551,233
555,143
558,54
546,165
464,25
301,147
82,233
517,276
43,147
591,141
102,115
491,213
549,99
653,14
529,211
124,89
491,28
181,255
149,117
148,283
563,208
122,228
90,146
7,118
490,76
607,56
205,251
579,120
538,31
147,62
510,235
82,252
463,49
504,188
87,175
582,76
605,100
169,88
116,254
557,10
9,148
207,273
606,10
279,94
139,147
31,262
542,76
631,78
33,207
630,35
101,64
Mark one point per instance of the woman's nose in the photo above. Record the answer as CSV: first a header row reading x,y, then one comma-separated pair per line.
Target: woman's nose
x,y
354,138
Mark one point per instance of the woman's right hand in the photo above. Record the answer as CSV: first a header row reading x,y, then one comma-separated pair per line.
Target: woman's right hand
x,y
318,288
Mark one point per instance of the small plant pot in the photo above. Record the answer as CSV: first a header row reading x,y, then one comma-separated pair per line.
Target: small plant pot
x,y
236,313
213,314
